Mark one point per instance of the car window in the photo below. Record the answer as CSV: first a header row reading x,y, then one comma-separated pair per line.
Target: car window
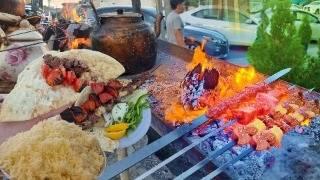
x,y
230,16
207,14
300,15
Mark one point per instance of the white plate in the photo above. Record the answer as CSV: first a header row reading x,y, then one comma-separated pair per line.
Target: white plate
x,y
139,132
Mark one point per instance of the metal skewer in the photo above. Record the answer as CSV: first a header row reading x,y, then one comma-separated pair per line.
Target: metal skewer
x,y
184,150
205,161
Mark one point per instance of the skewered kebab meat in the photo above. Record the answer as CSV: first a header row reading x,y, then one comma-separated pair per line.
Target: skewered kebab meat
x,y
267,138
219,109
278,120
88,111
243,133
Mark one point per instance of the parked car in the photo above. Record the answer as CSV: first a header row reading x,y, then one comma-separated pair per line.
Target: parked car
x,y
242,30
224,21
313,7
217,44
299,15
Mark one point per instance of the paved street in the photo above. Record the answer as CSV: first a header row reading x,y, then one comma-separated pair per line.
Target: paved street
x,y
238,55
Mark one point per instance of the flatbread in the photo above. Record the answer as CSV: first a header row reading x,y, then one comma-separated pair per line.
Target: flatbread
x,y
102,67
32,97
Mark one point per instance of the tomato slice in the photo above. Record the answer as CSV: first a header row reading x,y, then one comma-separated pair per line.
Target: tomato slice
x,y
97,88
105,97
46,70
71,77
77,85
89,106
54,78
64,71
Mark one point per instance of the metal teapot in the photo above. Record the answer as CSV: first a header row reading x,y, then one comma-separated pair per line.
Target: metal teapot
x,y
128,39
14,7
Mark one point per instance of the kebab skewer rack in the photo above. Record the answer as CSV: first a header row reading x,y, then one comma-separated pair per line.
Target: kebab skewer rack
x,y
274,133
219,143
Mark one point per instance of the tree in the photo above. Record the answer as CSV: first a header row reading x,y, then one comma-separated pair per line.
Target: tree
x,y
305,32
319,48
280,47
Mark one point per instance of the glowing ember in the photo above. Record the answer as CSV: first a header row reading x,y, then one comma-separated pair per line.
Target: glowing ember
x,y
306,122
79,43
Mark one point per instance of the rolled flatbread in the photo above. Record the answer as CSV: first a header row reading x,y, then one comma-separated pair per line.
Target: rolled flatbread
x,y
32,98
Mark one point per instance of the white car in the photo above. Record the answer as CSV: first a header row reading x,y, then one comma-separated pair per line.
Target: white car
x,y
313,7
238,27
224,21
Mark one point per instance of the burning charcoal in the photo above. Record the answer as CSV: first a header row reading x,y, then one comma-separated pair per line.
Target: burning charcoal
x,y
211,79
192,88
269,161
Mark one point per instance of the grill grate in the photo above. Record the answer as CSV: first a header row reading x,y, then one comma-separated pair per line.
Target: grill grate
x,y
146,151
184,150
143,153
120,166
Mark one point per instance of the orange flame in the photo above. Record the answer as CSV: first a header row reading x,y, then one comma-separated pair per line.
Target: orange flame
x,y
74,16
76,43
70,13
199,57
177,114
244,76
227,87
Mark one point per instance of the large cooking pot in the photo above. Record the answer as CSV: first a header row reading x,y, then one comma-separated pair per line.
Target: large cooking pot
x,y
15,7
128,39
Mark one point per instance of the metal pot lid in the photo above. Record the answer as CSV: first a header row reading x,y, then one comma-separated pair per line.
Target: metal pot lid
x,y
121,14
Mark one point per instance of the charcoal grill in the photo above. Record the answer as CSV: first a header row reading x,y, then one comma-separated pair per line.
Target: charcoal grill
x,y
165,53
